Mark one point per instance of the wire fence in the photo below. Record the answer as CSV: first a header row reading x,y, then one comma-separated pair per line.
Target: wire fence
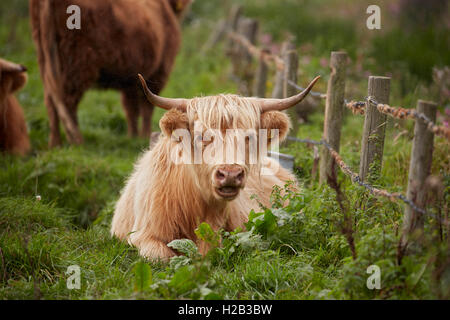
x,y
357,107
282,65
355,178
256,52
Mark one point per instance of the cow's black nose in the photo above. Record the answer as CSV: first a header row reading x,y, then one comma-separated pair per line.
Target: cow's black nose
x,y
230,176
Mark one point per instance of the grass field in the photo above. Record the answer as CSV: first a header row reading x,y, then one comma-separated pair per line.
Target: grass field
x,y
295,252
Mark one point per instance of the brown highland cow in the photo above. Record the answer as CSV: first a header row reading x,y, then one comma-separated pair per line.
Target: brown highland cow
x,y
165,200
13,130
117,39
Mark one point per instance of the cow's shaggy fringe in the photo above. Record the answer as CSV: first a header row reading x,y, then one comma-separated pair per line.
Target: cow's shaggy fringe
x,y
225,112
163,201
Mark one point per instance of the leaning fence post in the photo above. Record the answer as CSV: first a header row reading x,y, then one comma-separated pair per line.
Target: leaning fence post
x,y
278,86
232,47
217,35
374,129
260,80
334,108
290,74
248,28
419,169
231,25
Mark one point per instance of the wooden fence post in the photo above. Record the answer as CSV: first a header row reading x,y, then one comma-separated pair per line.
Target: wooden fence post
x,y
248,28
232,48
231,25
374,129
260,80
290,73
278,86
334,108
216,36
419,170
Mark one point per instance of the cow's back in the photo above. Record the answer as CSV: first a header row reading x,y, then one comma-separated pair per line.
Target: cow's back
x,y
117,39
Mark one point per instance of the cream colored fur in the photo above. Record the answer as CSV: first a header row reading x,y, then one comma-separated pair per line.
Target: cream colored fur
x,y
163,201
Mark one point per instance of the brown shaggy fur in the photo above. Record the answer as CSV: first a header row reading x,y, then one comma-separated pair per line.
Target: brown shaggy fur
x,y
163,201
13,131
117,40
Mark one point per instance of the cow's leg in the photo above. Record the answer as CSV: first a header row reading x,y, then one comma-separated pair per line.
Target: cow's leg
x,y
131,107
65,109
155,249
69,117
123,219
123,227
55,135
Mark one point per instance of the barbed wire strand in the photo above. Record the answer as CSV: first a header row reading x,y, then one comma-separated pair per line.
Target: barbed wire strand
x,y
355,178
357,107
402,113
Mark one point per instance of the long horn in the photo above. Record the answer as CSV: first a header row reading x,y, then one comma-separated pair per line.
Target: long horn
x,y
283,104
165,103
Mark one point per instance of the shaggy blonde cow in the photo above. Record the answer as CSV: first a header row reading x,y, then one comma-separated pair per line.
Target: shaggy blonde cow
x,y
13,130
165,200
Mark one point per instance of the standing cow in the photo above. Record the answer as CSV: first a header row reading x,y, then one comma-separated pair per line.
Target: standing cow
x,y
164,200
13,130
116,40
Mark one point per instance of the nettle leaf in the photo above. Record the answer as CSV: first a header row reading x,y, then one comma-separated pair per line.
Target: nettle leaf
x,y
249,240
179,261
264,223
142,276
206,233
282,216
188,278
184,246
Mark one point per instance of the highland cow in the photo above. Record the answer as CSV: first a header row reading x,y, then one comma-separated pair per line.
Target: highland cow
x,y
164,200
13,131
116,40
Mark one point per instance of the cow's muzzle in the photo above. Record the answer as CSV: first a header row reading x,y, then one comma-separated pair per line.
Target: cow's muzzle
x,y
228,180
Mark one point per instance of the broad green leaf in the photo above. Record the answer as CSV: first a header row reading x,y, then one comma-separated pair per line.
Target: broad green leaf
x,y
179,261
142,276
206,233
185,246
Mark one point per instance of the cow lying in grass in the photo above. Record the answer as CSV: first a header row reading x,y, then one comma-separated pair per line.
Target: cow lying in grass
x,y
13,131
165,200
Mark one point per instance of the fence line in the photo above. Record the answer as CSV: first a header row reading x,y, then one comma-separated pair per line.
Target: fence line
x,y
355,178
375,117
357,107
256,52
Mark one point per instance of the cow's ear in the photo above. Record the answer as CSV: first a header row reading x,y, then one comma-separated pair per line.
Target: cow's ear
x,y
13,75
172,120
276,120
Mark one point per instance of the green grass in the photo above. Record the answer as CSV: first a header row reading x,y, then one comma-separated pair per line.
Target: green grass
x,y
293,252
